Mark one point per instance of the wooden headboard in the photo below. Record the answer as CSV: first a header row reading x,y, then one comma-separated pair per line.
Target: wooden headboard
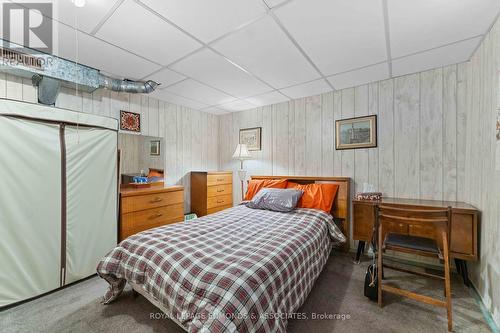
x,y
342,203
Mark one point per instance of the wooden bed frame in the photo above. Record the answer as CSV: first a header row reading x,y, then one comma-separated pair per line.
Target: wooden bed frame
x,y
341,205
340,211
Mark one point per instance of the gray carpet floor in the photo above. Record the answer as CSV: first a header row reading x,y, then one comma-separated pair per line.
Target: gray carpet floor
x,y
338,290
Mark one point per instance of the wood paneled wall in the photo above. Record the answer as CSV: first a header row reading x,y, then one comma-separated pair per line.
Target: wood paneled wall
x,y
190,137
436,140
420,121
482,175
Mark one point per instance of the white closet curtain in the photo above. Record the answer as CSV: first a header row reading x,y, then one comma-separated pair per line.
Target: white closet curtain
x,y
58,197
30,209
91,164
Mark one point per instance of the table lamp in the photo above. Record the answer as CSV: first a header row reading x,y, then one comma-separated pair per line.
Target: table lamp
x,y
241,153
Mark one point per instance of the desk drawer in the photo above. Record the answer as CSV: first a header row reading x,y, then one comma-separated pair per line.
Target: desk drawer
x,y
132,223
364,217
463,235
219,179
213,191
218,201
149,201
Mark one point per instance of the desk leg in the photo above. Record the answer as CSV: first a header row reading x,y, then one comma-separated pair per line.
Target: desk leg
x,y
462,270
360,250
465,273
458,265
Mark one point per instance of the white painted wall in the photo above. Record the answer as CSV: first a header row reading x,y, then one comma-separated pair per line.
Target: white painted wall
x,y
190,137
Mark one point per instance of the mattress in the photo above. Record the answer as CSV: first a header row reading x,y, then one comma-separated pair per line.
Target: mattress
x,y
240,270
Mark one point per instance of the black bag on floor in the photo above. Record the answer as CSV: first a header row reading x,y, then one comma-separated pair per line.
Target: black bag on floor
x,y
371,276
371,282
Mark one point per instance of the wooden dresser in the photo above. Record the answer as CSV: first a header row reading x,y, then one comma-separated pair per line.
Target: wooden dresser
x,y
211,191
142,209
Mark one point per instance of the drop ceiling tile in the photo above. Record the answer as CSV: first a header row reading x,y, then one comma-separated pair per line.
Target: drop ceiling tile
x,y
273,3
215,110
307,89
211,68
136,29
199,92
265,50
100,55
337,35
238,105
442,56
269,98
208,20
166,77
425,24
166,96
360,76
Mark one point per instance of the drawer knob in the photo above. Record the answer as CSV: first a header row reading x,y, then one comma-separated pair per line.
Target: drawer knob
x,y
219,191
158,199
156,216
220,201
220,179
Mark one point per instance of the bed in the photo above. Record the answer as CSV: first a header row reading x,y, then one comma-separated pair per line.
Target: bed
x,y
239,270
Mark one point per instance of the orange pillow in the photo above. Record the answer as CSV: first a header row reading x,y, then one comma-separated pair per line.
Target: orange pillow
x,y
256,185
155,173
317,196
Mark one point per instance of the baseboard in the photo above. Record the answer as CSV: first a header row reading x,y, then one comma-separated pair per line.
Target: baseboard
x,y
484,310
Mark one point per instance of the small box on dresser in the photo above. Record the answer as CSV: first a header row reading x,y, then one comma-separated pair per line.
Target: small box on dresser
x,y
146,208
211,191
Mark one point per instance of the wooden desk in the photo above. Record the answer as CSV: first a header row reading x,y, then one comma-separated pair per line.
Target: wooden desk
x,y
463,229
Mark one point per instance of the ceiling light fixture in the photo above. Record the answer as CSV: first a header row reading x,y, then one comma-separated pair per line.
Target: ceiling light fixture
x,y
79,3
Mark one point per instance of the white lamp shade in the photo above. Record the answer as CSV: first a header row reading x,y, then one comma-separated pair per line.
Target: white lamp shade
x,y
241,153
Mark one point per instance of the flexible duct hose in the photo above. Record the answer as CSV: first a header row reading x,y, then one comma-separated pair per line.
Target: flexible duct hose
x,y
142,87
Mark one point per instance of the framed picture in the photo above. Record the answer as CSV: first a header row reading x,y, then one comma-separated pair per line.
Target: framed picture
x,y
353,133
252,137
130,121
155,147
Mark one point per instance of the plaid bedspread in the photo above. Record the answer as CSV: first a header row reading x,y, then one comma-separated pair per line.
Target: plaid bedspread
x,y
240,270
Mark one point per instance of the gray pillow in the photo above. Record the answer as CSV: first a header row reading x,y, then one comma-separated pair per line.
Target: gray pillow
x,y
279,200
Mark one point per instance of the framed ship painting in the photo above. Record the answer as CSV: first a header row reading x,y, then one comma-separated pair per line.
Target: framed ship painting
x,y
353,133
252,137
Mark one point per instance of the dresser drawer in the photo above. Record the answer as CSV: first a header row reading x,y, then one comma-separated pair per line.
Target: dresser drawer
x,y
218,209
142,202
215,190
132,223
219,179
221,200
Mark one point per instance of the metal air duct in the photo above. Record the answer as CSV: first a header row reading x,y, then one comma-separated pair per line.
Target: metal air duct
x,y
49,72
